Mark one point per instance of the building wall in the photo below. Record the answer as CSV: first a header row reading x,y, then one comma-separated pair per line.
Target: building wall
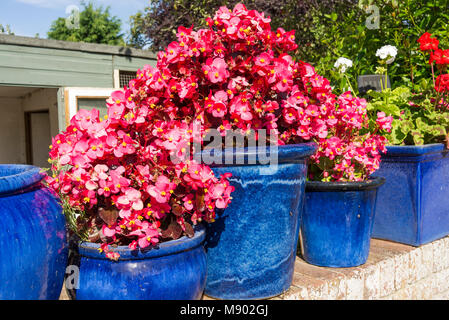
x,y
44,99
12,131
12,123
48,63
51,66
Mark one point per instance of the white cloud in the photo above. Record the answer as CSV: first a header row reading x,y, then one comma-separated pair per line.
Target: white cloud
x,y
47,3
138,4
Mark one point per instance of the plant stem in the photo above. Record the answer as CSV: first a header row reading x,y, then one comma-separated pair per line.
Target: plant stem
x,y
350,86
433,74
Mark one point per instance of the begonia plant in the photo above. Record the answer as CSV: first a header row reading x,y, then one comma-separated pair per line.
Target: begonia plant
x,y
120,178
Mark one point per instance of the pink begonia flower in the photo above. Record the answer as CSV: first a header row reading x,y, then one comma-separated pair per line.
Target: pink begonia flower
x,y
147,234
198,175
188,202
172,139
131,198
173,51
141,115
149,238
101,171
109,231
384,122
125,145
112,255
117,98
115,112
216,105
80,161
118,182
290,115
221,194
84,118
184,33
263,60
104,188
91,185
216,70
161,191
186,89
240,107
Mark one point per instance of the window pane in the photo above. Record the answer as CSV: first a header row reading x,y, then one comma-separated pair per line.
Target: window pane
x,y
93,103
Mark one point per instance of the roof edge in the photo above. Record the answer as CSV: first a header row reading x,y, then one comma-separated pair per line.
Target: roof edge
x,y
76,46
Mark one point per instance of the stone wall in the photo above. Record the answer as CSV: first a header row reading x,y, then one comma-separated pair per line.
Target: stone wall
x,y
393,271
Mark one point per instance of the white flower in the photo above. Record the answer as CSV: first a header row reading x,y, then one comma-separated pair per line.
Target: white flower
x,y
387,53
342,64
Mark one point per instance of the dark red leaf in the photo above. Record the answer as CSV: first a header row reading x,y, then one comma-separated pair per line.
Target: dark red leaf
x,y
173,231
189,230
108,216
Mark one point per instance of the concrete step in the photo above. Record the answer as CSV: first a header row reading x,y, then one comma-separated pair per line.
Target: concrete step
x,y
393,271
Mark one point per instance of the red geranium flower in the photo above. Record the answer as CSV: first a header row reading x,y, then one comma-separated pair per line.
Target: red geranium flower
x,y
428,43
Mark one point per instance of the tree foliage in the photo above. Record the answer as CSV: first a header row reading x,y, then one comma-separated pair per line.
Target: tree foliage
x,y
325,30
158,23
95,25
6,29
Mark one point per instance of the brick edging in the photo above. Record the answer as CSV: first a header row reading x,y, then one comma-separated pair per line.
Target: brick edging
x,y
393,271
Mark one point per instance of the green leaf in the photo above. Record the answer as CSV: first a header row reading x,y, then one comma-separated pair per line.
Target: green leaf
x,y
418,137
438,130
421,124
389,109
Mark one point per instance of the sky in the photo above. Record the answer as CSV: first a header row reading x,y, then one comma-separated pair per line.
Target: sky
x,y
29,17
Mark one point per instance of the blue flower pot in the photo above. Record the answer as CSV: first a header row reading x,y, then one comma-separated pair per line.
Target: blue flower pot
x,y
413,205
33,243
251,248
337,222
174,270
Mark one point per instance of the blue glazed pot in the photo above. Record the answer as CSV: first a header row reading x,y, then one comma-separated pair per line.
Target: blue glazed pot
x,y
33,246
175,270
337,222
251,248
413,206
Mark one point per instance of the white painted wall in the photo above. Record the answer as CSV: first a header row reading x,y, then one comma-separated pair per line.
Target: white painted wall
x,y
43,126
12,131
12,124
44,99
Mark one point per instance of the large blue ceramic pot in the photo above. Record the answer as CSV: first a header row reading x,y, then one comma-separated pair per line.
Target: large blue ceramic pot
x,y
33,246
337,222
174,270
413,205
251,248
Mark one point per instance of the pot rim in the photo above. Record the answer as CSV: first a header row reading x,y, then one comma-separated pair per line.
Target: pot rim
x,y
395,151
16,177
90,250
285,153
319,186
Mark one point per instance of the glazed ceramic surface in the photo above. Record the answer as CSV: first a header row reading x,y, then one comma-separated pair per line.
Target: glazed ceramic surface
x,y
337,222
413,205
33,246
251,248
175,270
